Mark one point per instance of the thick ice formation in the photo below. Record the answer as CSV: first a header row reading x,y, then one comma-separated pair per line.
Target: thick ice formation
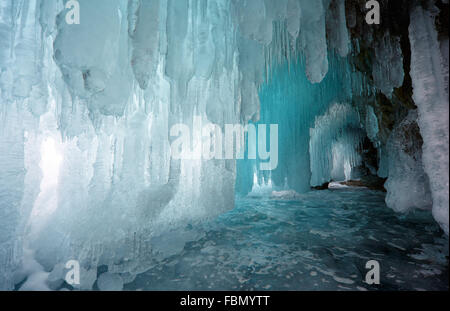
x,y
407,186
429,72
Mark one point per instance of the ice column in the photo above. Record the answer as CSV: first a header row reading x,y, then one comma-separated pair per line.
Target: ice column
x,y
429,72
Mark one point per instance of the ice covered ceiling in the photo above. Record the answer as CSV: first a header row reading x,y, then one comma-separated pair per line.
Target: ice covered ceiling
x,y
85,165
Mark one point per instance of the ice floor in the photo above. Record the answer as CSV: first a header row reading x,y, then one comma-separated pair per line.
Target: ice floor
x,y
316,241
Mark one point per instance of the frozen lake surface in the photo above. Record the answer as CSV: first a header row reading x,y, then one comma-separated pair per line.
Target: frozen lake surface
x,y
321,240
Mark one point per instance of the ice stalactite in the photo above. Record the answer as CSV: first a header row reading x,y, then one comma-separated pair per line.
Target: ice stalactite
x,y
387,69
101,79
371,124
429,72
313,38
144,31
372,127
337,30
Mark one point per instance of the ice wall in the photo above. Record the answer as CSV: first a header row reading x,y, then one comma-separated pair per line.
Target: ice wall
x,y
429,72
24,79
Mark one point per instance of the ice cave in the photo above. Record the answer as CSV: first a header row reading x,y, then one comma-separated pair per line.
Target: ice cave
x,y
326,145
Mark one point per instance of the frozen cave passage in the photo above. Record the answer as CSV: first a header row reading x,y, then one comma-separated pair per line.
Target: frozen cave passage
x,y
338,131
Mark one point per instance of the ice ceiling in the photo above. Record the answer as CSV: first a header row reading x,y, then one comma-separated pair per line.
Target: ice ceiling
x,y
85,165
